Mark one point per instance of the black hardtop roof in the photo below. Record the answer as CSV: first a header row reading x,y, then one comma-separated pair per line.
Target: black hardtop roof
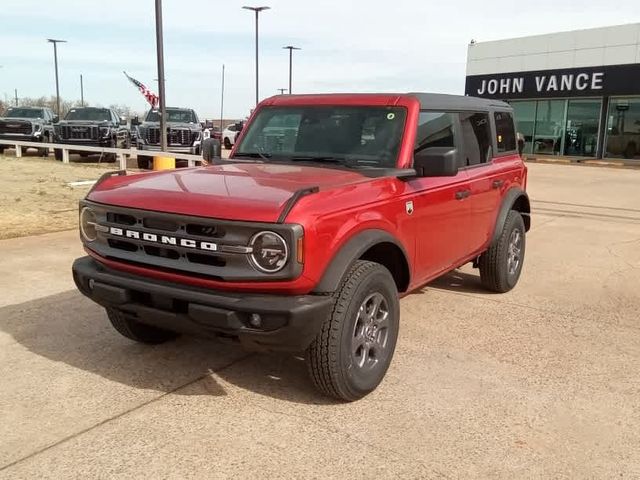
x,y
441,101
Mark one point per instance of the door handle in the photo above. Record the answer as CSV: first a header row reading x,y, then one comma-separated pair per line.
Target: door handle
x,y
462,194
497,183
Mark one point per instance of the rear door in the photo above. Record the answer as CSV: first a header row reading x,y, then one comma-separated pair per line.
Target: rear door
x,y
490,144
440,205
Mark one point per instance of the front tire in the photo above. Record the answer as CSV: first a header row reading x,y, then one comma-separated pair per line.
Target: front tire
x,y
137,331
501,265
227,143
351,354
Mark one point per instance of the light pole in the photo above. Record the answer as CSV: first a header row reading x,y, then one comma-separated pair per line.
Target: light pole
x,y
160,56
291,48
257,11
222,104
81,92
55,59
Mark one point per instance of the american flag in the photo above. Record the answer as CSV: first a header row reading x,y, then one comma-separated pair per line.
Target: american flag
x,y
151,97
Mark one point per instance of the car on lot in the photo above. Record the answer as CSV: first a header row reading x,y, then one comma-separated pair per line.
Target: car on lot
x,y
92,127
28,124
211,131
230,134
184,134
307,240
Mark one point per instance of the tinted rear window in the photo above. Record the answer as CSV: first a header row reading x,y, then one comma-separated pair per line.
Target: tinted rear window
x,y
505,132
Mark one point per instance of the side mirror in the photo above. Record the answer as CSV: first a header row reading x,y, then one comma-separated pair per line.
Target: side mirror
x,y
436,162
123,121
56,119
135,121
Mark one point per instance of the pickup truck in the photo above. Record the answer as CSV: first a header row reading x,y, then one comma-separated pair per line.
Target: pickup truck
x,y
306,241
28,124
184,134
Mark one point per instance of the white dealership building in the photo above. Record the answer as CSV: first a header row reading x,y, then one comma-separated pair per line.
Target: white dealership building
x,y
574,93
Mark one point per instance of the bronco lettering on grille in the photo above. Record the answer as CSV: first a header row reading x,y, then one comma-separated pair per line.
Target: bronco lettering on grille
x,y
163,239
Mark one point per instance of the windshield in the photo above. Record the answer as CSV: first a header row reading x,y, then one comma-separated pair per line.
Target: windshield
x,y
91,114
365,136
24,113
173,115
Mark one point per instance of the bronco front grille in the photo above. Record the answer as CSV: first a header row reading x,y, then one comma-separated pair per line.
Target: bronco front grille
x,y
15,127
212,248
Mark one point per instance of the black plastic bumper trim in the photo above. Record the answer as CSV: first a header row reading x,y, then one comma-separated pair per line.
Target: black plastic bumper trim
x,y
289,323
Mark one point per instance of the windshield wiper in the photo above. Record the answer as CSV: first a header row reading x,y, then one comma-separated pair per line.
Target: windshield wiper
x,y
263,156
322,158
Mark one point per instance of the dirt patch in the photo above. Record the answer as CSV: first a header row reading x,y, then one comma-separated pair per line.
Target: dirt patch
x,y
35,197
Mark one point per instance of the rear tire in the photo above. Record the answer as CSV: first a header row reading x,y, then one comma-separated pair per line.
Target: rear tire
x,y
351,354
227,143
501,265
137,331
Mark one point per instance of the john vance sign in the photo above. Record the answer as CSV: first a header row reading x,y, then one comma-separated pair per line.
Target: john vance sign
x,y
572,82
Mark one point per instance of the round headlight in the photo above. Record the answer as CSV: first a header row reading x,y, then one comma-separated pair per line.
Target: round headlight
x,y
270,252
88,224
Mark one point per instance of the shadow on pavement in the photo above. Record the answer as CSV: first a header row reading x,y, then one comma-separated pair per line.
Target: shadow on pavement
x,y
458,281
71,329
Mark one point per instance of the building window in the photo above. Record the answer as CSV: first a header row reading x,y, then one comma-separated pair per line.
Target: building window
x,y
505,132
476,133
525,113
581,137
549,131
623,128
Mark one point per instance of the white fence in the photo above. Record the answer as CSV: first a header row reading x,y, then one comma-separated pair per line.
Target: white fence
x,y
122,154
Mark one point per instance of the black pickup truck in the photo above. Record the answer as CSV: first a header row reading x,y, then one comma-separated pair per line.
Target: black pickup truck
x,y
94,127
28,124
184,134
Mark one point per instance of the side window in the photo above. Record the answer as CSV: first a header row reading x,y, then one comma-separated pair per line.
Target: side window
x,y
476,135
435,129
231,128
505,132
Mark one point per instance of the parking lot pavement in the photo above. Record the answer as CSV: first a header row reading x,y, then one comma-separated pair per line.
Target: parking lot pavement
x,y
541,382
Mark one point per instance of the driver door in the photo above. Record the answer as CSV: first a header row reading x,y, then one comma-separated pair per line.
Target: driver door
x,y
441,207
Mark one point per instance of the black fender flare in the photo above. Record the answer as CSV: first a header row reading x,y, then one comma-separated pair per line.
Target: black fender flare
x,y
349,253
513,196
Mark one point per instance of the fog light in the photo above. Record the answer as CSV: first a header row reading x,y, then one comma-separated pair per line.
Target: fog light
x,y
255,320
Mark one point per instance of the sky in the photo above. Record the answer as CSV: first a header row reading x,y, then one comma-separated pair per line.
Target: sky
x,y
347,46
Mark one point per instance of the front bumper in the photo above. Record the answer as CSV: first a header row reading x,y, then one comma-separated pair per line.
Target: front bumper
x,y
175,149
32,137
289,323
102,142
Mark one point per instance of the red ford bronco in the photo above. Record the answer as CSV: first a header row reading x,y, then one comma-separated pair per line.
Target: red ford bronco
x,y
329,209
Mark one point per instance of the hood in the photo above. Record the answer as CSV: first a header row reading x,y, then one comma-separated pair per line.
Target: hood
x,y
21,119
100,123
191,126
247,192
